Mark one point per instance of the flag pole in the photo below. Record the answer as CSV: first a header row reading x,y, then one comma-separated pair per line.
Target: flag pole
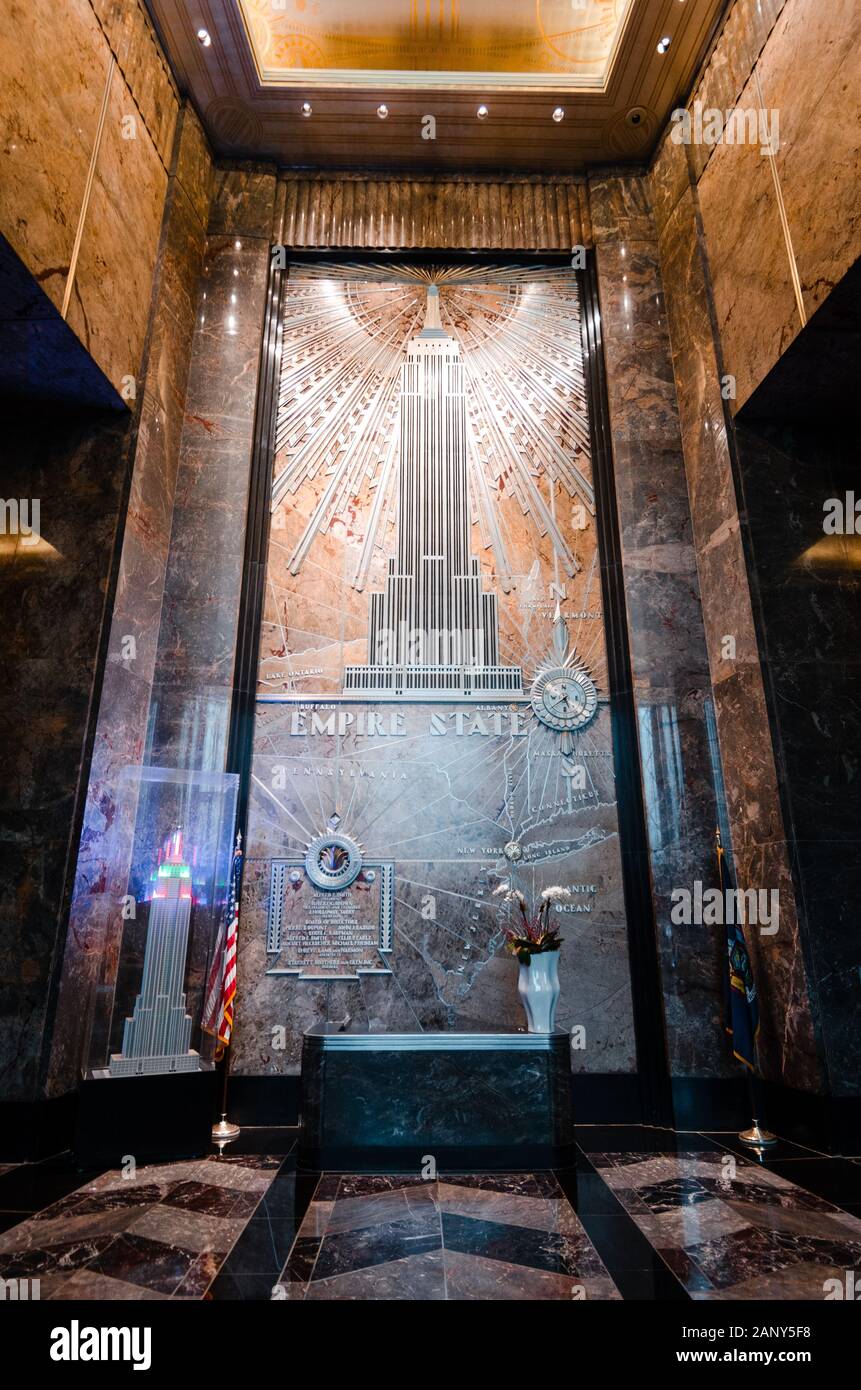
x,y
225,1130
757,1136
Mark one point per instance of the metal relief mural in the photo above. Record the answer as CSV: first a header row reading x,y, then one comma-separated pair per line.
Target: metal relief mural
x,y
432,711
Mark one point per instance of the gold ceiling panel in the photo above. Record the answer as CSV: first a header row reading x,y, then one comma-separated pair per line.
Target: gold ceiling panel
x,y
526,44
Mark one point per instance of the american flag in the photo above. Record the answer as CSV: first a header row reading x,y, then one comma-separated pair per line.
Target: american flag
x,y
221,985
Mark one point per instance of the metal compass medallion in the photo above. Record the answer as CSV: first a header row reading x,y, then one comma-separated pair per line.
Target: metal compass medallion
x,y
564,698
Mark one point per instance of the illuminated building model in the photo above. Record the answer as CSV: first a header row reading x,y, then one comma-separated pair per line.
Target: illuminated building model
x,y
157,1036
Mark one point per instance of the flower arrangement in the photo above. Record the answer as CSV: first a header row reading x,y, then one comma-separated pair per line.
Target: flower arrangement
x,y
536,934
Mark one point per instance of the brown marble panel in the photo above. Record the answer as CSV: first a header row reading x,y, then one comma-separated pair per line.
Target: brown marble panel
x,y
669,178
707,463
725,76
730,634
667,642
192,163
819,158
53,68
757,315
788,1046
758,18
744,34
243,198
639,369
119,244
748,763
198,628
137,609
141,61
620,208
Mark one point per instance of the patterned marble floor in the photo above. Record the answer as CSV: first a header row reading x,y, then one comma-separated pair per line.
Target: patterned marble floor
x,y
644,1215
162,1232
479,1236
731,1229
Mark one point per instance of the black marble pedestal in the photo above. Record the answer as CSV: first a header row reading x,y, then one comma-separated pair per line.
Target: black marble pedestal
x,y
153,1118
384,1102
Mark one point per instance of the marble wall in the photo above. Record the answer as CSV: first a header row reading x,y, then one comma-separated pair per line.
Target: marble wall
x,y
806,590
758,841
130,663
53,597
667,642
168,674
87,119
742,274
193,684
750,772
790,228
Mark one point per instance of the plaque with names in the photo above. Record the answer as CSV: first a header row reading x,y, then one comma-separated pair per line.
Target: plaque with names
x,y
329,934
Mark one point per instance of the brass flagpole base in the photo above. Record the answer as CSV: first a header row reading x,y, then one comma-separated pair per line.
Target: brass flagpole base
x,y
756,1137
224,1131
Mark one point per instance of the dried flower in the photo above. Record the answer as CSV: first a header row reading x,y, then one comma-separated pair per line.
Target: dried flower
x,y
510,895
535,934
555,894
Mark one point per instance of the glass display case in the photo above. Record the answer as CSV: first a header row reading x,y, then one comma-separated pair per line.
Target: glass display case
x,y
170,861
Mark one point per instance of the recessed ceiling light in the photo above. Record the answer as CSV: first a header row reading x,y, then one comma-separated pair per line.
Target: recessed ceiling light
x,y
664,43
482,113
203,35
306,109
559,114
382,111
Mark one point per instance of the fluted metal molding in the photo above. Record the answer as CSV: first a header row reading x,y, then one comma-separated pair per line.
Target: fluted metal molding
x,y
405,213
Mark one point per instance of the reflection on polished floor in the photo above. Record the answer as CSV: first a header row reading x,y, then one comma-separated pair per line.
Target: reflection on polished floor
x,y
644,1214
478,1236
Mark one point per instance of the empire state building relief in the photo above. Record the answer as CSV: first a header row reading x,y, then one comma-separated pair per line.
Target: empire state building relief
x,y
433,628
433,710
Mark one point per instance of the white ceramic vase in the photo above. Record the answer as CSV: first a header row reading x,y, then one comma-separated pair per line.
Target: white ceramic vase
x,y
538,987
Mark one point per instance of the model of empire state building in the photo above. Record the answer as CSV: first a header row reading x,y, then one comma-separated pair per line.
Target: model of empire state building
x,y
156,1038
433,631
